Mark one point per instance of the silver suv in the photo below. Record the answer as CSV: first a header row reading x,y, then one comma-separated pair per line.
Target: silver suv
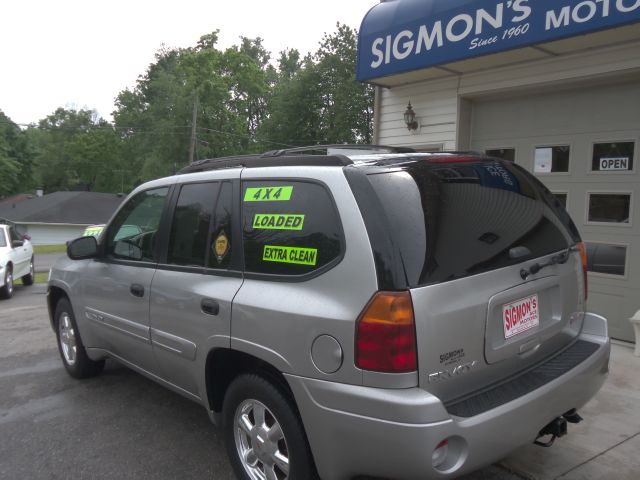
x,y
383,313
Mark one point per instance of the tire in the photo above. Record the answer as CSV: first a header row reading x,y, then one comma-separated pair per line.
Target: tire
x,y
6,291
74,356
260,449
29,277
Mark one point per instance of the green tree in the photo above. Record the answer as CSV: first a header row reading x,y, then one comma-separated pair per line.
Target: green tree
x,y
16,158
75,148
319,100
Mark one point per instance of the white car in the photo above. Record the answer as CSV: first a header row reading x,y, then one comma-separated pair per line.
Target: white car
x,y
16,260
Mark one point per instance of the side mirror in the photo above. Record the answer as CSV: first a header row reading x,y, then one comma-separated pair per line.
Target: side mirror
x,y
17,243
82,248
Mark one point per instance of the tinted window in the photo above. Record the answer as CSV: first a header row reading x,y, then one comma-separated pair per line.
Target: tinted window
x,y
190,225
454,219
604,258
132,233
609,208
220,240
290,227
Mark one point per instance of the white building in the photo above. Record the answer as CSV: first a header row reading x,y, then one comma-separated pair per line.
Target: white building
x,y
553,85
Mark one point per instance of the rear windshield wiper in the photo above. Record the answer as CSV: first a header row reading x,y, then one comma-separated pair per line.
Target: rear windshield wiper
x,y
558,259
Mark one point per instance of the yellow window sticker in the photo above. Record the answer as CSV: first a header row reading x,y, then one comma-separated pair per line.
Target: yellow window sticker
x,y
267,221
268,194
221,246
297,255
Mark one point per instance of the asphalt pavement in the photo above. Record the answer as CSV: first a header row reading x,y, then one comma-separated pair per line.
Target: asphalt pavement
x,y
121,425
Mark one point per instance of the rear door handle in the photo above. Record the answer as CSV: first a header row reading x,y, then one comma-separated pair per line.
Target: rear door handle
x,y
137,290
210,306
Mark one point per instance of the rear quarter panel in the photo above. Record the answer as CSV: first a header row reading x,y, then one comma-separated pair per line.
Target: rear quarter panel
x,y
278,321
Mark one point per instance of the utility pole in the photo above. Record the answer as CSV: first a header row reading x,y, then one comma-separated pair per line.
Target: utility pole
x,y
192,149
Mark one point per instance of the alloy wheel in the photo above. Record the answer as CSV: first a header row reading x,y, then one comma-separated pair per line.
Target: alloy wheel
x,y
260,442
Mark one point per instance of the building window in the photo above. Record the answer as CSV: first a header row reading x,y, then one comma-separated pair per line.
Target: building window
x,y
613,157
606,258
609,208
562,198
503,153
552,159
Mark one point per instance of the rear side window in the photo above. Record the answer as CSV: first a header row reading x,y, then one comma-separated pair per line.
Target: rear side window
x,y
454,219
190,226
289,227
3,241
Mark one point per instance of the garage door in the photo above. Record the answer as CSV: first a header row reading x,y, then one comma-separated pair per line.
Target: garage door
x,y
583,144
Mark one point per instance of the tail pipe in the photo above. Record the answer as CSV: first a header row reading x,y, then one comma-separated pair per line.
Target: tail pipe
x,y
557,428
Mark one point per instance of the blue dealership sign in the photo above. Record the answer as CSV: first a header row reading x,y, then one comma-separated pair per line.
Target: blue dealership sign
x,y
403,35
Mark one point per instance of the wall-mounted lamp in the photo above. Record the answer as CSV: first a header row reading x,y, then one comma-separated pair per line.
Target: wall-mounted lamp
x,y
410,118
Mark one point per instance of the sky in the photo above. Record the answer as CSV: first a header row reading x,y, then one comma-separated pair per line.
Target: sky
x,y
82,53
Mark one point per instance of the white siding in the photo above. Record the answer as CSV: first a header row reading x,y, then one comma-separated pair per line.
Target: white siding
x,y
53,234
436,110
436,101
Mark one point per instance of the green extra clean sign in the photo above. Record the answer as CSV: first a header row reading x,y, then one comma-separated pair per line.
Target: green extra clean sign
x,y
297,255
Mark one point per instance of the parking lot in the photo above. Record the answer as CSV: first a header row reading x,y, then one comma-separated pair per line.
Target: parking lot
x,y
121,425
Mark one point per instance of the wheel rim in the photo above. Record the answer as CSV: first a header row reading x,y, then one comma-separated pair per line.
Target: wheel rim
x,y
9,282
67,336
260,442
31,268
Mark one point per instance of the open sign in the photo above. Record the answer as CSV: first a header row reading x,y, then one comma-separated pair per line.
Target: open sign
x,y
614,163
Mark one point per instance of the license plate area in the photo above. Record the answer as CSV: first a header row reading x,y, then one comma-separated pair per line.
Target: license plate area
x,y
520,316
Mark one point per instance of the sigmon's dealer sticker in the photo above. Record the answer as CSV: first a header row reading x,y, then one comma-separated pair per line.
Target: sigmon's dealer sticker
x,y
520,316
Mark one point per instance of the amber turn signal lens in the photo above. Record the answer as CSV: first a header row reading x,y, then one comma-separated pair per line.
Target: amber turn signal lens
x,y
386,334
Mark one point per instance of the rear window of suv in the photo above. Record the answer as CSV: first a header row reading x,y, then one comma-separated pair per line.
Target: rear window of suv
x,y
289,228
451,219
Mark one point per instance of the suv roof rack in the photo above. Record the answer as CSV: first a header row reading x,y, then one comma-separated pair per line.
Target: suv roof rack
x,y
257,161
337,146
288,157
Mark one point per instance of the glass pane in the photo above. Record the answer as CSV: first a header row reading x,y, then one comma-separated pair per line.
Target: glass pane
x,y
3,241
132,233
552,159
503,153
611,157
609,207
562,198
452,220
290,227
220,251
604,258
190,225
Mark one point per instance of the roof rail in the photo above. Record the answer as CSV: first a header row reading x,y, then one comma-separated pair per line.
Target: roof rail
x,y
337,146
256,161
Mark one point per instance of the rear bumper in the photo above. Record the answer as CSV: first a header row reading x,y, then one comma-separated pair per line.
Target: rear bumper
x,y
356,430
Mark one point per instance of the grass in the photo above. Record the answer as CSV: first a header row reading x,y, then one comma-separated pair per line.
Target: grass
x,y
41,277
39,249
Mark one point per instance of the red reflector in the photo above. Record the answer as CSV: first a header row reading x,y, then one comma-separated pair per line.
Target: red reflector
x,y
386,334
442,444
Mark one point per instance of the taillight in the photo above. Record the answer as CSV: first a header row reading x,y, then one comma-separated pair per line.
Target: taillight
x,y
386,334
583,256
